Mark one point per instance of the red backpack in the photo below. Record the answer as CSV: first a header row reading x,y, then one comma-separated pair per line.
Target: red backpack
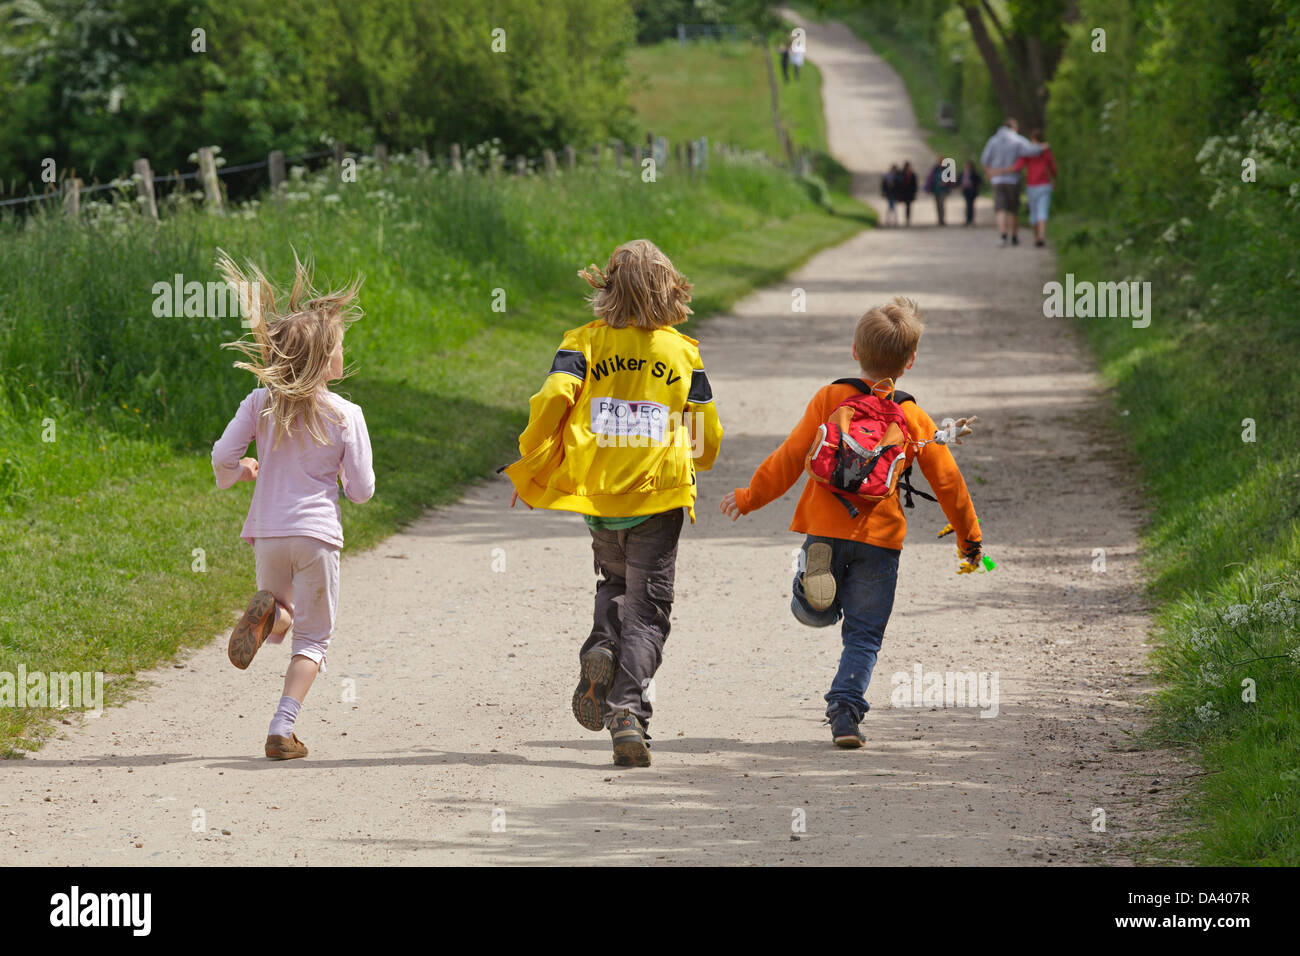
x,y
859,454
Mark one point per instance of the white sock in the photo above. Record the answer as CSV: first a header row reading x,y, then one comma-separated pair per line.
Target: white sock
x,y
285,716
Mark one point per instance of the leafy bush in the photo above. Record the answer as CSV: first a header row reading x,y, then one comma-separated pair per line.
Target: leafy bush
x,y
94,84
1180,154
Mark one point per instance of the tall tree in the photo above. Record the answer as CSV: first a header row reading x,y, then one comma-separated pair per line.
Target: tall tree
x,y
1032,40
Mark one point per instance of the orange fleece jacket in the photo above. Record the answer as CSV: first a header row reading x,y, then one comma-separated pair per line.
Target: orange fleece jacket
x,y
820,513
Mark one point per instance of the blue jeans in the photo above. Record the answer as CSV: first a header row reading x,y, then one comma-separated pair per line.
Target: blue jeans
x,y
865,577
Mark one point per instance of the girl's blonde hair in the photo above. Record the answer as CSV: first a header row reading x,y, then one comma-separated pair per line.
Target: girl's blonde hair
x,y
292,341
639,287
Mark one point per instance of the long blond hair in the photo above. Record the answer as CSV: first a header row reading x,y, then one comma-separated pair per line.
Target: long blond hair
x,y
291,342
639,287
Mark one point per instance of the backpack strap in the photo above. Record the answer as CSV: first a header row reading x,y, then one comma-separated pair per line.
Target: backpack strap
x,y
899,395
848,505
905,487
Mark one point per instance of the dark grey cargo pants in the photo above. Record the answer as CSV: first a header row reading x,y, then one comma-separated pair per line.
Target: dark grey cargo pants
x,y
634,598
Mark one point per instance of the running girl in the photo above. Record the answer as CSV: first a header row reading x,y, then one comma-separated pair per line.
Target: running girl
x,y
308,439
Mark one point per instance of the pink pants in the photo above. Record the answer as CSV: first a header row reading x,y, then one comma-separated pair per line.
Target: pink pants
x,y
303,574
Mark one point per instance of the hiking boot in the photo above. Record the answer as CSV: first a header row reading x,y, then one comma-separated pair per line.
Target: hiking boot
x,y
818,581
630,747
285,748
589,699
1015,240
844,729
252,630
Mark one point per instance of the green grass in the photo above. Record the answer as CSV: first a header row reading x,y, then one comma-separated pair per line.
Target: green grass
x,y
722,88
1223,545
98,529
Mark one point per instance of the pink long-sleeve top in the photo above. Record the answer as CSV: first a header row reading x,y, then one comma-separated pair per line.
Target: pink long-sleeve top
x,y
297,486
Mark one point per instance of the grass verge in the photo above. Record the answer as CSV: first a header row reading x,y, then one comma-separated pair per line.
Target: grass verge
x,y
1209,394
722,88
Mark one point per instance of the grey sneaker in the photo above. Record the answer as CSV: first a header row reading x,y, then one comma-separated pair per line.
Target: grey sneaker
x,y
629,735
593,684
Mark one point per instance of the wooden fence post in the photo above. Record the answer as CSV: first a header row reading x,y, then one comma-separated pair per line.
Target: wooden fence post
x,y
690,158
72,198
618,154
456,167
521,165
421,159
595,156
337,149
275,168
570,158
208,176
381,156
144,189
548,158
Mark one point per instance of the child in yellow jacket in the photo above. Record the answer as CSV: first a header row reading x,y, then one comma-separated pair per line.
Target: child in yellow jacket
x,y
622,423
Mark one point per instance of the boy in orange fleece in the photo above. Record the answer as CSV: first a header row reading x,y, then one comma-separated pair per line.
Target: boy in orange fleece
x,y
851,563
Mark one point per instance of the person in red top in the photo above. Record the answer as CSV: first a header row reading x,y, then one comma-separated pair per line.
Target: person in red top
x,y
850,563
1040,176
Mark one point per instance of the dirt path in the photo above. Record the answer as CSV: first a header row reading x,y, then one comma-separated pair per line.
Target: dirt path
x,y
462,675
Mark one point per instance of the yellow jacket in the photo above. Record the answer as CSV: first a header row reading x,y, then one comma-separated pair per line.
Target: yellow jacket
x,y
622,423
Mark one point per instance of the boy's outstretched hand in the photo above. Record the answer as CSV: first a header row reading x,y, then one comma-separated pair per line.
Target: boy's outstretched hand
x,y
729,506
247,469
969,560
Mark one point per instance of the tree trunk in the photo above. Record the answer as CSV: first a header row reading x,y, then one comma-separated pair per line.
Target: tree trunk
x,y
1004,87
1036,79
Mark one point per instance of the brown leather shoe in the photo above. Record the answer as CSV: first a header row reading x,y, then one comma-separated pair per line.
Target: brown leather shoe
x,y
285,748
253,629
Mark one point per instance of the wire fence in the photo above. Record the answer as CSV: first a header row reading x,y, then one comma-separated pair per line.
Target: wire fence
x,y
690,155
123,183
